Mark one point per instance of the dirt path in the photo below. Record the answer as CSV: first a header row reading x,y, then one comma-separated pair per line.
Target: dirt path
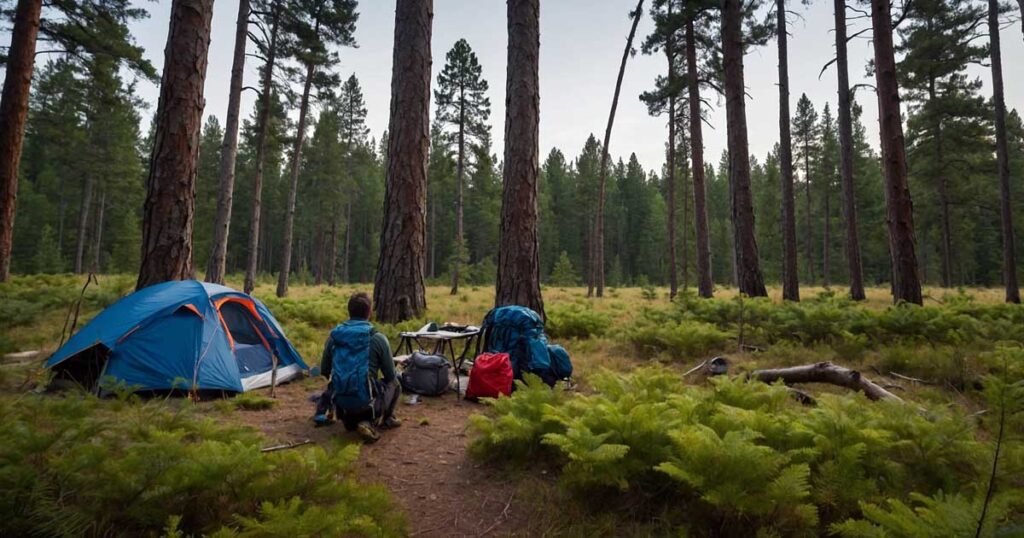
x,y
423,463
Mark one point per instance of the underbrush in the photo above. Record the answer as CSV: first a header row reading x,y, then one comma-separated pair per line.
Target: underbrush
x,y
28,301
849,328
573,320
78,466
250,401
745,459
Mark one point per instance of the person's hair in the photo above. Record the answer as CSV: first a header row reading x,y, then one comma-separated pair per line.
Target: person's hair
x,y
359,306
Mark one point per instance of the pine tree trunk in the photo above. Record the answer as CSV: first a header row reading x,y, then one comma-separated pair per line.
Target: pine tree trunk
x,y
13,112
685,262
255,222
289,220
748,269
398,293
332,251
827,237
599,220
318,256
460,179
348,244
1002,155
171,192
808,216
673,286
85,206
790,275
898,204
853,260
705,284
216,266
519,251
97,246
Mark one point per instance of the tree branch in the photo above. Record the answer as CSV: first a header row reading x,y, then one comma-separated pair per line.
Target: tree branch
x,y
826,372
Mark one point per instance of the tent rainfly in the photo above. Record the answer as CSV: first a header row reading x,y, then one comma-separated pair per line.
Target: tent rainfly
x,y
184,335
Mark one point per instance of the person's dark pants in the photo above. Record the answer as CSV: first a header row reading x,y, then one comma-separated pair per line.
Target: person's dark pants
x,y
385,399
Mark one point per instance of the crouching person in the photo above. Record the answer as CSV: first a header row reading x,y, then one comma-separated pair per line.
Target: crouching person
x,y
357,361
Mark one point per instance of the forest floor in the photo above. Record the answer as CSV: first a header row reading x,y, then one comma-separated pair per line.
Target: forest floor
x,y
423,463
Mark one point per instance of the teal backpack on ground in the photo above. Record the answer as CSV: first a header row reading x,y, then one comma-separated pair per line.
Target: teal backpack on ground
x,y
350,367
519,331
561,364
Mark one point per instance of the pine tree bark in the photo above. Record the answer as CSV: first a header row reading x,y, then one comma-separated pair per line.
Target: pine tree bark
x,y
705,284
13,113
255,222
906,284
1002,156
853,259
289,220
398,293
216,266
673,285
790,274
519,252
748,269
84,207
97,246
599,220
171,187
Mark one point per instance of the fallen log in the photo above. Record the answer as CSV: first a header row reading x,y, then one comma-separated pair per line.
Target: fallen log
x,y
826,372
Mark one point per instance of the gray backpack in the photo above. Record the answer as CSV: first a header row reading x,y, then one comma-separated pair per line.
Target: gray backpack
x,y
426,374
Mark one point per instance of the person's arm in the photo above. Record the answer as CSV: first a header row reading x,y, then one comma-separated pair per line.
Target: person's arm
x,y
382,352
327,358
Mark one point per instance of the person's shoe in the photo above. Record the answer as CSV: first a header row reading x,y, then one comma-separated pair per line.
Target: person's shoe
x,y
367,432
392,422
321,420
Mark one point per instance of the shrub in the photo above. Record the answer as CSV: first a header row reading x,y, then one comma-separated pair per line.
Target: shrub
x,y
77,466
250,401
684,339
576,321
743,456
515,431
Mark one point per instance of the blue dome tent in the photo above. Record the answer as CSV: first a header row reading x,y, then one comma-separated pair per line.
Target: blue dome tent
x,y
185,335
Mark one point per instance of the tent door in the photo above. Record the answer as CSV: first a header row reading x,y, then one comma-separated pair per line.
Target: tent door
x,y
252,351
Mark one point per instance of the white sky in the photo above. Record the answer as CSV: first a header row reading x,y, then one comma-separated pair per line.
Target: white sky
x,y
581,46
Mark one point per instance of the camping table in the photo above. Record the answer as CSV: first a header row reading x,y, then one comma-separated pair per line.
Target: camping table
x,y
443,344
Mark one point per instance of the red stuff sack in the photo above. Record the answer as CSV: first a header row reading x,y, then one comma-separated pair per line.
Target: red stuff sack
x,y
491,375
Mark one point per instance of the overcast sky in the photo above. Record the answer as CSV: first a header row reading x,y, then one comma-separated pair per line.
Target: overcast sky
x,y
581,46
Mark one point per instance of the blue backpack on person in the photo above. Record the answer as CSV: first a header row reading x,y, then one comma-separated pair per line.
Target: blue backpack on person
x,y
350,367
519,331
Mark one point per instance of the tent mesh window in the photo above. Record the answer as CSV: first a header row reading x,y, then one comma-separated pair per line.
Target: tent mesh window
x,y
250,348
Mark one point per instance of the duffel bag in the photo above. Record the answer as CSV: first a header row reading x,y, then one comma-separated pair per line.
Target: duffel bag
x,y
426,374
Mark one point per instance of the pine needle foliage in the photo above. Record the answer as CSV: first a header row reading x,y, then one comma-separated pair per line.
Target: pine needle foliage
x,y
78,466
